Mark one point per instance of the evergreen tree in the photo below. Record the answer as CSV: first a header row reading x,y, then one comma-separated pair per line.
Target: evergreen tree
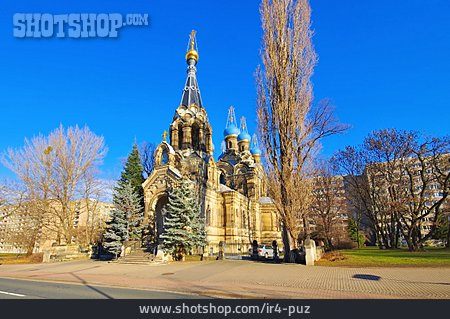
x,y
355,233
126,219
132,174
183,227
116,232
130,203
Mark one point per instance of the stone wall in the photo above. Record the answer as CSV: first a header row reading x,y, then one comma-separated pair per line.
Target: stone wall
x,y
65,253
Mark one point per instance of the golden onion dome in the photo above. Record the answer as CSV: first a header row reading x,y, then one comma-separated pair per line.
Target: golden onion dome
x,y
192,54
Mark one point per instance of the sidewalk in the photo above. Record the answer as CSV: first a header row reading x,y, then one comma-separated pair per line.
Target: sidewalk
x,y
248,279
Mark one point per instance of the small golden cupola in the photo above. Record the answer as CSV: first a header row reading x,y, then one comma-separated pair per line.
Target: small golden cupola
x,y
192,53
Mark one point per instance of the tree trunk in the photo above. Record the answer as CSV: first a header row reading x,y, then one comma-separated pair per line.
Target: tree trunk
x,y
357,236
290,246
413,244
29,251
329,243
397,235
409,241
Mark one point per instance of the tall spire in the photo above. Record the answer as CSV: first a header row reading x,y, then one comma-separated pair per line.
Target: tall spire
x,y
191,92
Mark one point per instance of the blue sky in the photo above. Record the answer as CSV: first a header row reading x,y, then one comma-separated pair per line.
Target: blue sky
x,y
382,63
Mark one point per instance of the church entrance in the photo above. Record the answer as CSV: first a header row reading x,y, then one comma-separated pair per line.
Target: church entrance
x,y
162,201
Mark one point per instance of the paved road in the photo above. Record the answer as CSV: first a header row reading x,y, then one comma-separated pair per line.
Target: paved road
x,y
30,289
244,279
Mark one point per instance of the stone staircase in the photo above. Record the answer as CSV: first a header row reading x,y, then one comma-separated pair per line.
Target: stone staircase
x,y
139,257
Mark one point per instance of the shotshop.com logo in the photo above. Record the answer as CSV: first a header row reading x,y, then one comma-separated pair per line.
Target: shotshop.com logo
x,y
74,25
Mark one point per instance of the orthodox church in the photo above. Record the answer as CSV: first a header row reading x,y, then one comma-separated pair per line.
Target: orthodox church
x,y
233,200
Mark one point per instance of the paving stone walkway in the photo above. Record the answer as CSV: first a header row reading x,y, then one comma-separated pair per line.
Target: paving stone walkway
x,y
249,279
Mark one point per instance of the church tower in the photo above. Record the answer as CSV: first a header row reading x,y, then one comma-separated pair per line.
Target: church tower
x,y
190,130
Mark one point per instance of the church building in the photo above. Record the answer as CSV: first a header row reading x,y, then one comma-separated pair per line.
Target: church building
x,y
231,189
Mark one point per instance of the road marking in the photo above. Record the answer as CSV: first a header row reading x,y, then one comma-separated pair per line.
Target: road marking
x,y
11,294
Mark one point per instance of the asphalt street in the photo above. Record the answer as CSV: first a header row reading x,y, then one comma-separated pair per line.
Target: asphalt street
x,y
30,289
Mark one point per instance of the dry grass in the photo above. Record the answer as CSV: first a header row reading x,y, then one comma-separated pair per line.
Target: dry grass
x,y
333,256
197,258
10,259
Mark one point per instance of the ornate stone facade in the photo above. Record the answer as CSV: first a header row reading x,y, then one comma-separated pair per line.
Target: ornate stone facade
x,y
231,190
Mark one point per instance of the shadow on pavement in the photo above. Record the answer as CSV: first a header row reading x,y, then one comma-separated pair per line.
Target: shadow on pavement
x,y
366,277
84,282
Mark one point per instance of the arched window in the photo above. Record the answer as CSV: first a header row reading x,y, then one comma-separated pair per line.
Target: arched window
x,y
195,137
229,144
222,178
165,157
159,214
208,216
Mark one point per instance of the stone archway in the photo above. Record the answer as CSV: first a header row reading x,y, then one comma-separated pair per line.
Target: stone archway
x,y
159,217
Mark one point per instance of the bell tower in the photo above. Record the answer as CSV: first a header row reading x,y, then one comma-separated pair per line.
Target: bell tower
x,y
190,130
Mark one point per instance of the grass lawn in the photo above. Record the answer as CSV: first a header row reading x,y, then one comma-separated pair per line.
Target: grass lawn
x,y
372,256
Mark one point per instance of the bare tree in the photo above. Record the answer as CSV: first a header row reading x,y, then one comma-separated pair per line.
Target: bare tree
x,y
351,164
92,192
328,203
290,128
401,181
370,170
19,211
52,167
423,189
23,228
147,152
385,150
12,197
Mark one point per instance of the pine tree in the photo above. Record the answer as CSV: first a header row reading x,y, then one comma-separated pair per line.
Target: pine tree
x,y
183,227
116,232
126,219
132,174
130,203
